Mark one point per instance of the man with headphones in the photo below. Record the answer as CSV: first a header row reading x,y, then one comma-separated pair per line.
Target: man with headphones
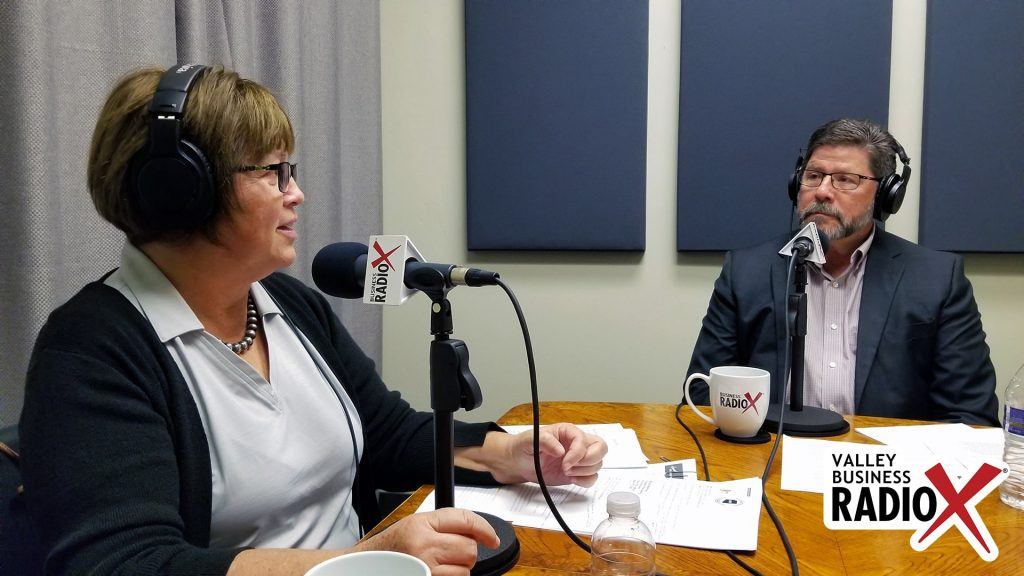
x,y
892,328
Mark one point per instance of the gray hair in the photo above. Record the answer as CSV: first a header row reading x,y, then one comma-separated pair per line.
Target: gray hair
x,y
880,145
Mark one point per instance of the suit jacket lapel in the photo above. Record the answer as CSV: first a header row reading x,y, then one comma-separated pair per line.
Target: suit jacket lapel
x,y
882,276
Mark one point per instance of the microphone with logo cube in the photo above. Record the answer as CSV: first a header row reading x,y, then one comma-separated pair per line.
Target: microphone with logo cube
x,y
388,272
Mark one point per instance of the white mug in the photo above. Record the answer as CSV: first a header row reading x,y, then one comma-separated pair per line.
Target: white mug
x,y
371,562
738,396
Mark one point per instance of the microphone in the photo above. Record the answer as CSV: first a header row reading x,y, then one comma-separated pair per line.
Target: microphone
x,y
807,245
388,272
797,419
804,246
340,269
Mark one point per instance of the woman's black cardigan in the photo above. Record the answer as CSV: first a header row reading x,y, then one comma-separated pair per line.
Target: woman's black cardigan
x,y
115,459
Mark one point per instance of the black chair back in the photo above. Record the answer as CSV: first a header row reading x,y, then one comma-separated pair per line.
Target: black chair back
x,y
21,553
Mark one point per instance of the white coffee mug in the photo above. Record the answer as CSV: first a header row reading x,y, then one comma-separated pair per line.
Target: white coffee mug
x,y
371,562
738,396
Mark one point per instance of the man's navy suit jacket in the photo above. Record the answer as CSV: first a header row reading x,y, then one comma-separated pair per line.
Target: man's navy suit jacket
x,y
921,351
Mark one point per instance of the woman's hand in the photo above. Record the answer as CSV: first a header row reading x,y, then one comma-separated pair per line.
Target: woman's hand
x,y
445,539
568,455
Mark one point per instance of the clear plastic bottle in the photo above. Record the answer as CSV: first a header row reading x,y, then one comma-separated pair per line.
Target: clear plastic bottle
x,y
622,544
1011,491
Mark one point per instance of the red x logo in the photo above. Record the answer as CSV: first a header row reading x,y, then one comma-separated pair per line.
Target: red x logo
x,y
956,501
752,402
383,255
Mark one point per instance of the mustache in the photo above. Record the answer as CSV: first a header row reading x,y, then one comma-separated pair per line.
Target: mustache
x,y
821,208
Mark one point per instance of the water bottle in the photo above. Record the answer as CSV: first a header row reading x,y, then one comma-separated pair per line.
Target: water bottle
x,y
1011,491
622,544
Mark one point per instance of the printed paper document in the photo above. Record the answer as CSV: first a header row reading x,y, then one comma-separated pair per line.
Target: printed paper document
x,y
679,512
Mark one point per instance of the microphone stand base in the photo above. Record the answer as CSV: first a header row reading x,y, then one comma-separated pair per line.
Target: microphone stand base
x,y
809,422
501,559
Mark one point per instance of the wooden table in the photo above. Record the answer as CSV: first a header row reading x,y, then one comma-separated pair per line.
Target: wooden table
x,y
818,549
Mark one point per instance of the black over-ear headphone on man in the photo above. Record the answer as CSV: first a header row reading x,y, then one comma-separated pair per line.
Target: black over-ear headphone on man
x,y
891,188
169,181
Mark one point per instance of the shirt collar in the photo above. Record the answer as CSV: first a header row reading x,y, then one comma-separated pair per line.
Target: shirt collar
x,y
160,301
856,259
264,302
858,256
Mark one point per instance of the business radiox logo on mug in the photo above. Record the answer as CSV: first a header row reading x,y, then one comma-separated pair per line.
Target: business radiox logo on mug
x,y
878,488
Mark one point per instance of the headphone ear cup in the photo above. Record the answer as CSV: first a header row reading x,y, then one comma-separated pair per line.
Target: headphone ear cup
x,y
202,201
889,196
794,180
896,195
173,192
794,186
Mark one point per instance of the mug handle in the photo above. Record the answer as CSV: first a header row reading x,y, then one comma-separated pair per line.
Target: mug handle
x,y
686,393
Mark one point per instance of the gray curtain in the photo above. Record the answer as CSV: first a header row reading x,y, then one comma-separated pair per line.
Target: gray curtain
x,y
320,58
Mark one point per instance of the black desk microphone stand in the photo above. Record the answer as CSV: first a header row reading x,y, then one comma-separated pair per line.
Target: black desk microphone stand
x,y
797,419
453,386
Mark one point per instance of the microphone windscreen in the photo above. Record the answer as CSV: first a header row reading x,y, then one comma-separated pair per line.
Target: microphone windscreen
x,y
339,269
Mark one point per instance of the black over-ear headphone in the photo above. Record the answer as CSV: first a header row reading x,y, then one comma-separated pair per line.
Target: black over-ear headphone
x,y
891,188
170,181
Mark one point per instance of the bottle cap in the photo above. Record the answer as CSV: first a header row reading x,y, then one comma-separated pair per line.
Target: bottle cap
x,y
623,504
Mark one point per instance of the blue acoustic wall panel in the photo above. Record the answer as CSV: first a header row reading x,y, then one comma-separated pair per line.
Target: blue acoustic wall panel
x,y
556,124
756,78
972,180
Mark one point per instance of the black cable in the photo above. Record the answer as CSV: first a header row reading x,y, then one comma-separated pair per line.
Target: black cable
x,y
793,566
534,397
707,476
785,376
700,448
536,420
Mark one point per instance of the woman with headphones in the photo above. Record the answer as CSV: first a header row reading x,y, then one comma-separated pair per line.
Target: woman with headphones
x,y
194,411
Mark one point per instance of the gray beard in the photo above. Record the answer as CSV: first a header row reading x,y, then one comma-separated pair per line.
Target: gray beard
x,y
844,228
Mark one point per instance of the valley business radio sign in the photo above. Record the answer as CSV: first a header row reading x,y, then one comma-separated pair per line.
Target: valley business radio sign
x,y
878,488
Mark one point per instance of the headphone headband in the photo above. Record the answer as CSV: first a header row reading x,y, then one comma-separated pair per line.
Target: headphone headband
x,y
901,153
172,91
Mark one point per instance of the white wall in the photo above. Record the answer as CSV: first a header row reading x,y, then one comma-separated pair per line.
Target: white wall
x,y
611,327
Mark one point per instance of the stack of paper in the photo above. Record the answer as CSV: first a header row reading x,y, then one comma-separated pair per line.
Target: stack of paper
x,y
958,442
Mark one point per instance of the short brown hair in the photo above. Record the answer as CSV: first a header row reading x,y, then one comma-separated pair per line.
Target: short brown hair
x,y
234,121
880,145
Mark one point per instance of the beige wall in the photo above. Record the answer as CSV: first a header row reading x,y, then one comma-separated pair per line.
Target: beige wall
x,y
616,327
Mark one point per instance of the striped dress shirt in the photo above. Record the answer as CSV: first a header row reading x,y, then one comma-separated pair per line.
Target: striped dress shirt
x,y
833,315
